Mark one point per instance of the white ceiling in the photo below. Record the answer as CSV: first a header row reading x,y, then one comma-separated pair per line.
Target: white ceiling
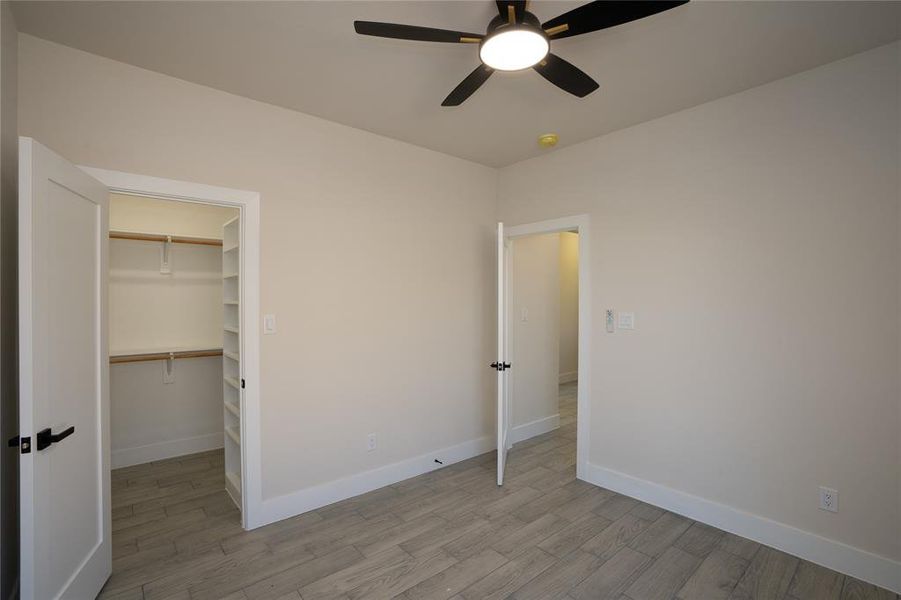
x,y
306,56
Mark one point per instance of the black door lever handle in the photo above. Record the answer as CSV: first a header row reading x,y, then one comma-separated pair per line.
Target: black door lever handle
x,y
46,437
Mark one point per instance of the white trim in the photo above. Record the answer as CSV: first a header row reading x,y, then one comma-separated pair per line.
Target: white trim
x,y
569,377
831,554
249,204
582,225
520,433
127,457
301,501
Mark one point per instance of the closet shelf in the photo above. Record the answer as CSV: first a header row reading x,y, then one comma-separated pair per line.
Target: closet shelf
x,y
230,248
234,434
231,355
230,302
233,382
158,237
230,276
233,409
129,358
230,329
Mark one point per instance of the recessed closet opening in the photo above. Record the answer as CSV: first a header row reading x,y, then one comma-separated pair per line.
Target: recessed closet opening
x,y
175,352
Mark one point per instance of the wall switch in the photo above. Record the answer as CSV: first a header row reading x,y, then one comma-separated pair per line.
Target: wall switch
x,y
268,324
828,499
611,325
626,320
370,442
524,315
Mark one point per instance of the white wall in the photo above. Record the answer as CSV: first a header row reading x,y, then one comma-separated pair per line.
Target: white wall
x,y
151,215
377,258
151,311
569,306
756,238
9,366
534,326
151,420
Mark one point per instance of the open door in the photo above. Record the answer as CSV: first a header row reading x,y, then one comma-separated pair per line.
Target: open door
x,y
502,366
66,546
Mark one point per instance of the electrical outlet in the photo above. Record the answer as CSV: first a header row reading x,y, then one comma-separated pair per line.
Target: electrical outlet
x,y
370,442
828,499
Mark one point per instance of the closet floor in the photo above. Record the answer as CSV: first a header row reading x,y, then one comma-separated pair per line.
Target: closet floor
x,y
449,534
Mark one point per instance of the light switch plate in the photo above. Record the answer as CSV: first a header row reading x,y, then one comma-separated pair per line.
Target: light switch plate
x,y
268,324
626,320
611,324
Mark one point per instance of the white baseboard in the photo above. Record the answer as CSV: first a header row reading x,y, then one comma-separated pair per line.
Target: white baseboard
x,y
834,555
536,427
569,377
301,501
127,457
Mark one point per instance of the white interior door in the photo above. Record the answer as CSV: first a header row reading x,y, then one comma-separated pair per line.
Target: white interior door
x,y
502,366
64,377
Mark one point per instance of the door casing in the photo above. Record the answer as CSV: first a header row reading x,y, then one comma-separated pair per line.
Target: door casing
x,y
581,225
248,203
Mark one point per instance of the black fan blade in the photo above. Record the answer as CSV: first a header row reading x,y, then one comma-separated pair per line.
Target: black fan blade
x,y
469,85
602,14
519,8
412,32
565,76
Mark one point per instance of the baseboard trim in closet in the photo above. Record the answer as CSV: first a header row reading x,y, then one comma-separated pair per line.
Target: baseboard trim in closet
x,y
128,457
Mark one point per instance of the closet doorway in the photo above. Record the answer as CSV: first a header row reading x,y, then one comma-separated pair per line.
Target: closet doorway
x,y
184,346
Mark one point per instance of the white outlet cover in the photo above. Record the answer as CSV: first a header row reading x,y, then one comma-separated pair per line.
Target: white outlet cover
x,y
626,320
268,324
371,442
828,499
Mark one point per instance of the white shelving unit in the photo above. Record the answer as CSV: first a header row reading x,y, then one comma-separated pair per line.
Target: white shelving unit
x,y
231,358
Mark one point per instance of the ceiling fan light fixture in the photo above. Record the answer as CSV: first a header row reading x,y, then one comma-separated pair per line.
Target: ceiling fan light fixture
x,y
514,49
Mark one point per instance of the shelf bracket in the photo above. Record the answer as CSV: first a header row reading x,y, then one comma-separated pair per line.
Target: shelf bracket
x,y
169,369
166,256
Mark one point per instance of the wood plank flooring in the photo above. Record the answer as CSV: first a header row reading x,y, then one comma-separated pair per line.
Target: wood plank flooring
x,y
451,534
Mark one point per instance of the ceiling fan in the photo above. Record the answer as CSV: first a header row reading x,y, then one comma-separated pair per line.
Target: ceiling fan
x,y
516,40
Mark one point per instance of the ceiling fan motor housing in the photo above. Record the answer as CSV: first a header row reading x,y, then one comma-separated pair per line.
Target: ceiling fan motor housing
x,y
527,26
500,25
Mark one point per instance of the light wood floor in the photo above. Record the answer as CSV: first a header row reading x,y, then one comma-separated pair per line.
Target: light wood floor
x,y
448,534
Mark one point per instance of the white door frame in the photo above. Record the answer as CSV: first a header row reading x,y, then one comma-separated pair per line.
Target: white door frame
x,y
248,203
580,224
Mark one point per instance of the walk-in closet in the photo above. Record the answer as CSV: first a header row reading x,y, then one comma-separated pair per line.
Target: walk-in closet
x,y
175,342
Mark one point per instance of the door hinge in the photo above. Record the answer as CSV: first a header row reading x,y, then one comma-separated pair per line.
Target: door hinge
x,y
242,383
24,444
500,366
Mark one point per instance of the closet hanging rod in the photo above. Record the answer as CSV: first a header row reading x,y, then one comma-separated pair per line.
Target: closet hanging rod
x,y
156,237
128,358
